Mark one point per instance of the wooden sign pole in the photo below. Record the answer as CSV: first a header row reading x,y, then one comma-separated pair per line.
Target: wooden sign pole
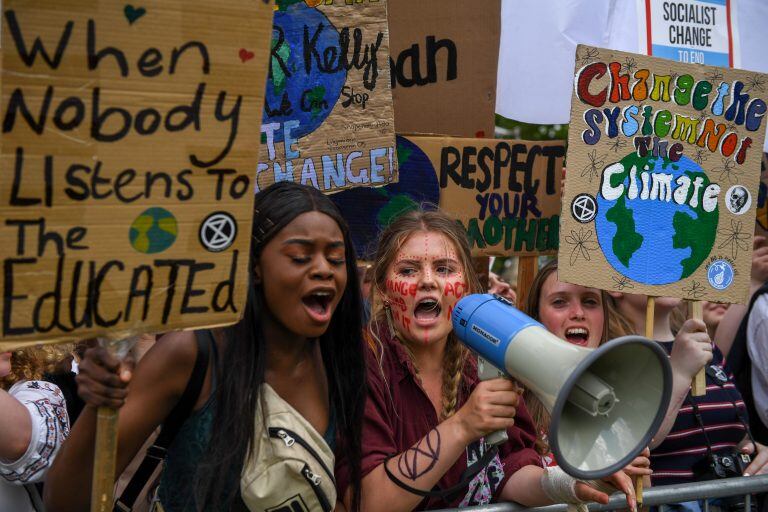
x,y
649,312
699,384
104,460
526,270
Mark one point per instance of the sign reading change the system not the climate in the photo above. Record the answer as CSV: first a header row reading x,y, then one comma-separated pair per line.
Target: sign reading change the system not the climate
x,y
663,174
129,140
328,119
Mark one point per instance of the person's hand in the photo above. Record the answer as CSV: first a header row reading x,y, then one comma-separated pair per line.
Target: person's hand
x,y
759,273
103,380
640,466
759,464
619,480
691,350
490,407
498,286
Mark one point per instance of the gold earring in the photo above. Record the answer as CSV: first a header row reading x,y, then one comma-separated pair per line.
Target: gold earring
x,y
390,321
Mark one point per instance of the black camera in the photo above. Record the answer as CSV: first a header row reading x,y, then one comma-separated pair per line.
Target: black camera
x,y
727,465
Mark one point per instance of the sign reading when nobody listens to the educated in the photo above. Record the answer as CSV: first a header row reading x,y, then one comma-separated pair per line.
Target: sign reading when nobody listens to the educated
x,y
129,139
663,172
328,120
505,193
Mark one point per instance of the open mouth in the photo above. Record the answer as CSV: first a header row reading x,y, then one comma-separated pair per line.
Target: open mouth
x,y
577,336
427,309
318,304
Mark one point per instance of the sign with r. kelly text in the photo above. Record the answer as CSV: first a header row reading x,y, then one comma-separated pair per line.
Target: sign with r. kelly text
x,y
129,142
505,193
328,120
663,176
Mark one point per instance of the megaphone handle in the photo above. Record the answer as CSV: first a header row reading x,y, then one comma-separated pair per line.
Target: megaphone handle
x,y
486,371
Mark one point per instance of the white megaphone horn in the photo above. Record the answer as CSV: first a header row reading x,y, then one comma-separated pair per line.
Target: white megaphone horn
x,y
606,403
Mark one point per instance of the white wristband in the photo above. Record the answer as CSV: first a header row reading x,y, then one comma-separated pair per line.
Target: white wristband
x,y
559,486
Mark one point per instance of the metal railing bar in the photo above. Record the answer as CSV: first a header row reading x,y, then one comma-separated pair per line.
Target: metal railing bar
x,y
652,496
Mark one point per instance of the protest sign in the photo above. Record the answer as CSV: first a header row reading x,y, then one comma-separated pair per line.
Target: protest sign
x,y
663,168
443,69
505,193
129,142
328,120
695,31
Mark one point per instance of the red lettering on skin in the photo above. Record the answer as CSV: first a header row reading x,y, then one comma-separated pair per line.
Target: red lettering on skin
x,y
399,302
401,287
407,323
450,311
456,289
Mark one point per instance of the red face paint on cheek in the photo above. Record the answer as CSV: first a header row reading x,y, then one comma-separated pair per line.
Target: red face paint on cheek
x,y
450,311
455,288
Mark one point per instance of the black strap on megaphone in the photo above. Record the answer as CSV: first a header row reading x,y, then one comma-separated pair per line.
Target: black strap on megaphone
x,y
466,477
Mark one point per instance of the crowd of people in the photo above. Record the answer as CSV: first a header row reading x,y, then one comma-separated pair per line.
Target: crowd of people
x,y
348,390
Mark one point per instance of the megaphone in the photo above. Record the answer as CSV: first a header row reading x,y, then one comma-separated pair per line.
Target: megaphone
x,y
606,403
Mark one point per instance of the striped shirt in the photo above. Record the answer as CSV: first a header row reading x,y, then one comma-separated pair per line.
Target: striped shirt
x,y
685,445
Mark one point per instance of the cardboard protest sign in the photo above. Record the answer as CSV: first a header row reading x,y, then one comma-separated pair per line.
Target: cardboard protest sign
x,y
328,119
663,171
761,217
506,193
444,69
129,142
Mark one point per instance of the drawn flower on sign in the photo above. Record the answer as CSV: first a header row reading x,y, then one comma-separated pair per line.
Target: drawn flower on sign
x,y
593,167
673,75
588,56
730,127
622,283
735,237
727,170
629,65
695,291
703,116
582,243
755,82
700,156
617,144
714,76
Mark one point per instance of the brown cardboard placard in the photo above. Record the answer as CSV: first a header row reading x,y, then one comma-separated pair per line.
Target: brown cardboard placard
x,y
663,172
506,193
328,119
444,53
130,137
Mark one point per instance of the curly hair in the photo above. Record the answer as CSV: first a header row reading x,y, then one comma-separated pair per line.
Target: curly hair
x,y
32,362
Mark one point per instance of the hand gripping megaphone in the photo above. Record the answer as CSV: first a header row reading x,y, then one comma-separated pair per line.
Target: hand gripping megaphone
x,y
606,403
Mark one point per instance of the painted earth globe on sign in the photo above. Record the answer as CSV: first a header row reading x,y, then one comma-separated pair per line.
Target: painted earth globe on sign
x,y
370,210
303,83
650,232
153,231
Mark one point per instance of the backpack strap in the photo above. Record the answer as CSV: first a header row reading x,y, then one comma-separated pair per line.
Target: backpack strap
x,y
172,424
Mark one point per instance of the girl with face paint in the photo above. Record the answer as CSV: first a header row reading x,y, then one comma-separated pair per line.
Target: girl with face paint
x,y
300,334
427,414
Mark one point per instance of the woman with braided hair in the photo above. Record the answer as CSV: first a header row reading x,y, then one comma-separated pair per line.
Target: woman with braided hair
x,y
427,414
33,422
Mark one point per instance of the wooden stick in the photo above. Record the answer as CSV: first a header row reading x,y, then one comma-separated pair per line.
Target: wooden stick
x,y
699,384
526,270
650,307
104,460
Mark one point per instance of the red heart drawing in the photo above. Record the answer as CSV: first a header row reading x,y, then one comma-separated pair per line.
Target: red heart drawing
x,y
245,55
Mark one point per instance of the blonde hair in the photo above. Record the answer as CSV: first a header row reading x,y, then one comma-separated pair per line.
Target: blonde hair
x,y
31,363
390,242
614,326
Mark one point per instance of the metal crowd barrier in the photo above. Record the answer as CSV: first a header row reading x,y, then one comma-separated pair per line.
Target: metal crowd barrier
x,y
653,496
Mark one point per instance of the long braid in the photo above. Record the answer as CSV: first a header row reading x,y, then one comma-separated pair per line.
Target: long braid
x,y
454,358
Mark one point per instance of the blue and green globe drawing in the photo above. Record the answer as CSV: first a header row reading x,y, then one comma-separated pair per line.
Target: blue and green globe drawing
x,y
656,241
369,210
153,231
305,79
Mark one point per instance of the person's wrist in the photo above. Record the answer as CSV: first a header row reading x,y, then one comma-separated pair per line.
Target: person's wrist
x,y
459,428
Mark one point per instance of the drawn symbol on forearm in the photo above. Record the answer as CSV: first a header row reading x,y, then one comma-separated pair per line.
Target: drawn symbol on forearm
x,y
425,453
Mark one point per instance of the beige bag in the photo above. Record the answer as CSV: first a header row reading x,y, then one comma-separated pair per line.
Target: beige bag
x,y
293,471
